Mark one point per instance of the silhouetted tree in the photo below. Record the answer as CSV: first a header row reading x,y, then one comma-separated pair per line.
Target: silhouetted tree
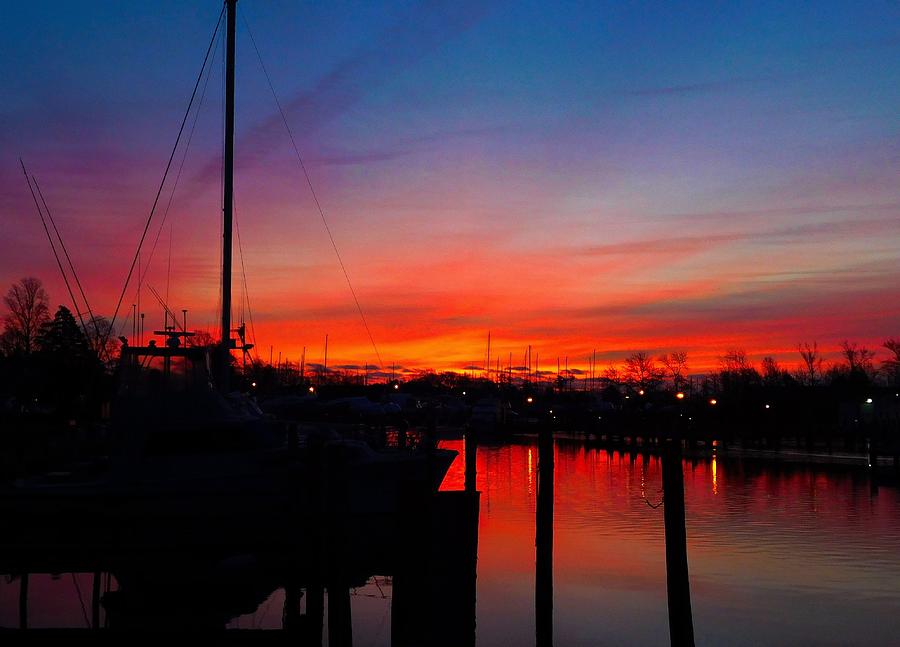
x,y
771,371
62,336
736,372
27,305
891,366
201,339
69,374
642,373
102,339
734,361
613,376
811,367
858,358
676,365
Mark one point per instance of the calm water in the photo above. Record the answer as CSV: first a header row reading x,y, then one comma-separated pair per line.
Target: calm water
x,y
778,556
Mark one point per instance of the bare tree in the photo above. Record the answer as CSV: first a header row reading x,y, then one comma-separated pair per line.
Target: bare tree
x,y
811,366
771,370
676,365
612,375
735,361
641,372
27,305
891,366
102,339
201,338
858,358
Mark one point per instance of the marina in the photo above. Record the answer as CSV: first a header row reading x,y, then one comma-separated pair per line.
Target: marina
x,y
670,234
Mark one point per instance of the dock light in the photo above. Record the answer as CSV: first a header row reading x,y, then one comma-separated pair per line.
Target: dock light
x,y
679,395
713,402
253,384
529,399
396,387
312,389
868,400
768,407
464,392
627,397
641,392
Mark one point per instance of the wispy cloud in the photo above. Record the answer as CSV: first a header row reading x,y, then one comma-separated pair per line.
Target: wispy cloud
x,y
423,30
702,87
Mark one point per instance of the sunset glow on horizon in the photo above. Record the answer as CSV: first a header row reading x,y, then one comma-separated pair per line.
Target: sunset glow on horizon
x,y
566,176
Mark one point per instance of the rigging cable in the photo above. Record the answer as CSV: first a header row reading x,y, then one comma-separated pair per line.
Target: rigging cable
x,y
244,278
80,600
68,259
166,172
312,191
142,273
53,247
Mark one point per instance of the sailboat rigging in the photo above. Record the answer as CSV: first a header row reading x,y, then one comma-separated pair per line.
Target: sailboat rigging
x,y
187,446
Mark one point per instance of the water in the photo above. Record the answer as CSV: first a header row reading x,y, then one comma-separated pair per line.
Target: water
x,y
778,556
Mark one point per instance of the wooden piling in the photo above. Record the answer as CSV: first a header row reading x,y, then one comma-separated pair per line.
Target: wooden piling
x,y
681,624
340,625
23,602
543,598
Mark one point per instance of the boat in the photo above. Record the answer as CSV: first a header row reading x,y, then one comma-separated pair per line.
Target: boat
x,y
188,449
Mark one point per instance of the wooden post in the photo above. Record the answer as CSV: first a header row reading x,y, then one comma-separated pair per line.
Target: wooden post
x,y
471,457
340,626
543,577
315,614
95,602
681,624
23,602
317,519
290,615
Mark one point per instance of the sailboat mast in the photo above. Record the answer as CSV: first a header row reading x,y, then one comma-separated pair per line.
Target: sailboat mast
x,y
228,179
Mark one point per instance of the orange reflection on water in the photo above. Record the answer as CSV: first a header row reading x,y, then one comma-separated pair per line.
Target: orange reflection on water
x,y
715,476
530,472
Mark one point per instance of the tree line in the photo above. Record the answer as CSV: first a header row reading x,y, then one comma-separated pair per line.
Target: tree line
x,y
856,365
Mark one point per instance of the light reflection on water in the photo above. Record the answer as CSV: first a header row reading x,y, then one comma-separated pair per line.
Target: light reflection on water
x,y
778,555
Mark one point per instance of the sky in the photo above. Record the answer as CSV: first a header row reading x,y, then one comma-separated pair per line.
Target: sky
x,y
576,176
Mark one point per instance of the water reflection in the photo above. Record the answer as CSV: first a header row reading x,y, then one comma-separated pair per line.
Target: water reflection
x,y
713,465
428,553
778,556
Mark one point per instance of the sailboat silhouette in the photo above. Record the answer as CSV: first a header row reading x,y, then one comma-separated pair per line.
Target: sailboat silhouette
x,y
187,448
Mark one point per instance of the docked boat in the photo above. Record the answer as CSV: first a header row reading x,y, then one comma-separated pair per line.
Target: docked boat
x,y
187,448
